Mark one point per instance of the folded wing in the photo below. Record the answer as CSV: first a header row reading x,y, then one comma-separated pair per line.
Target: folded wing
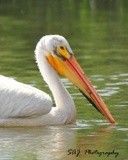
x,y
19,100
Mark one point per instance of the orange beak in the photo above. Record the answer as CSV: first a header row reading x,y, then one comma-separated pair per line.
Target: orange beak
x,y
72,70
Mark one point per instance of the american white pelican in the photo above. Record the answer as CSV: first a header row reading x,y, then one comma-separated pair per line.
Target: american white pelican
x,y
23,105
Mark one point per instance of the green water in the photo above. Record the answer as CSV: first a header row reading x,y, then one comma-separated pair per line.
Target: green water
x,y
98,34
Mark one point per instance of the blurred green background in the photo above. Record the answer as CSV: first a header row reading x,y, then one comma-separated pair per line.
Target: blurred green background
x,y
97,31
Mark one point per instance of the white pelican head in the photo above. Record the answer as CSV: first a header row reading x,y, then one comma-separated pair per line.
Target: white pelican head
x,y
60,56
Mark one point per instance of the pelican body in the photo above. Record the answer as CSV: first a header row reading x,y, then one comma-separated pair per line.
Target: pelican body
x,y
24,105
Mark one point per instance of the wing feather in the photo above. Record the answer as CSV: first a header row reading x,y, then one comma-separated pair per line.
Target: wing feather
x,y
21,100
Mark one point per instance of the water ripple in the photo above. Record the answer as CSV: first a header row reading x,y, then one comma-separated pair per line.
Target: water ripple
x,y
116,83
108,91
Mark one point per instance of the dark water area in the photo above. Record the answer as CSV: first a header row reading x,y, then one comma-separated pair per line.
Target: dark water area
x,y
97,31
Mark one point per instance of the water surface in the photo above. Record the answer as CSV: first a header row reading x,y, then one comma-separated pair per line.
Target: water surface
x,y
97,32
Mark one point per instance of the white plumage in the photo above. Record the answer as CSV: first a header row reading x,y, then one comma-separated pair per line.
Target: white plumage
x,y
24,105
21,100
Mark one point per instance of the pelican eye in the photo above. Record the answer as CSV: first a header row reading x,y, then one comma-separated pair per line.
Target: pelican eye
x,y
61,47
63,52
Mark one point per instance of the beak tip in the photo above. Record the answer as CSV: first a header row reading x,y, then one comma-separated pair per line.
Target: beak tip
x,y
111,120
